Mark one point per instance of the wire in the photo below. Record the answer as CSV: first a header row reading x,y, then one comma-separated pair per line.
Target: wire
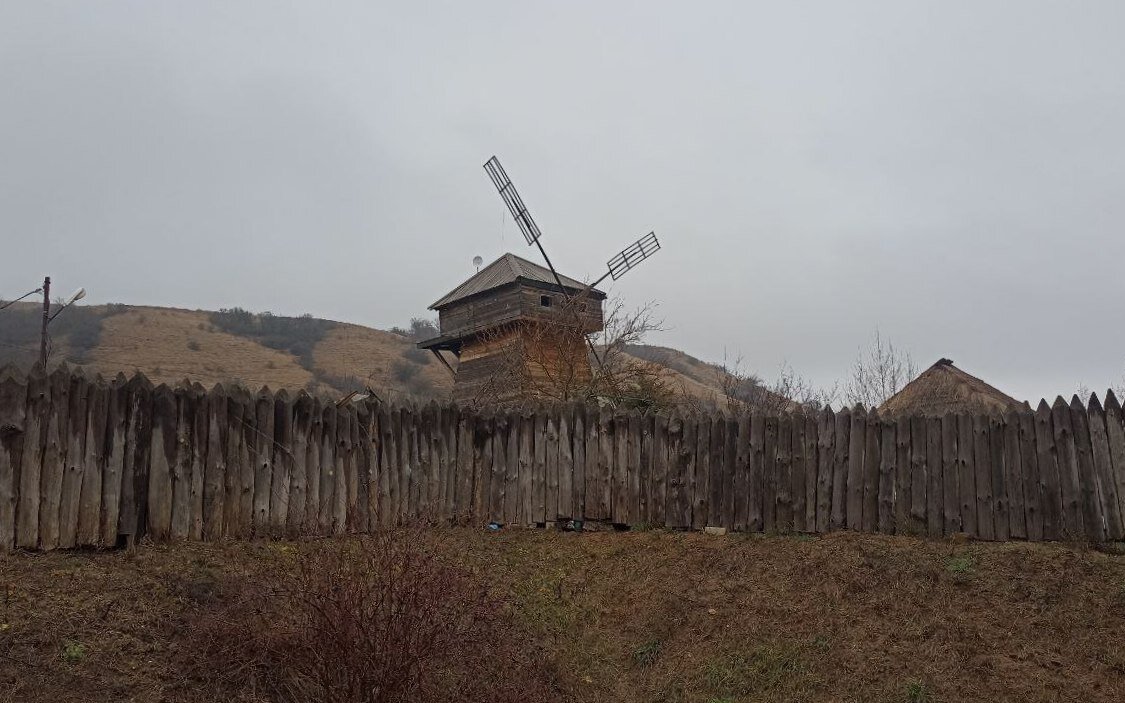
x,y
13,302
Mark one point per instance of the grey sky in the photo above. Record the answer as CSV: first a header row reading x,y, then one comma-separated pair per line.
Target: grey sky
x,y
951,172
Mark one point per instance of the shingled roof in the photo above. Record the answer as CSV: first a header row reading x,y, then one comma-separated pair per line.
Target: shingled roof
x,y
509,268
945,388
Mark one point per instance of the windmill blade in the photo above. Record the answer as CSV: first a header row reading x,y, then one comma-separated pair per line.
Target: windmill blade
x,y
632,255
513,200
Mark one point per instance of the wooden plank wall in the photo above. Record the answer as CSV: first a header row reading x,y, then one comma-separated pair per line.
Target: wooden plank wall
x,y
91,462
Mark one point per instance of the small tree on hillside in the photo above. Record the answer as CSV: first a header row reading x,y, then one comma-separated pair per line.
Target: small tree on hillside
x,y
790,392
879,372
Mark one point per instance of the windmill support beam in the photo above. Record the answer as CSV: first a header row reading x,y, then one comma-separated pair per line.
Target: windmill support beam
x,y
445,363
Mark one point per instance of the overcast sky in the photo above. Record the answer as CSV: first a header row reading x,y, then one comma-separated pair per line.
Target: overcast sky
x,y
949,172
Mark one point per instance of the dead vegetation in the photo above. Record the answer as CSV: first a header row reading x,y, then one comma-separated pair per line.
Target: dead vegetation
x,y
640,617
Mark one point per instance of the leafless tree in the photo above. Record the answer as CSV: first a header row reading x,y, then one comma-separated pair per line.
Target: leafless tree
x,y
549,359
790,392
879,372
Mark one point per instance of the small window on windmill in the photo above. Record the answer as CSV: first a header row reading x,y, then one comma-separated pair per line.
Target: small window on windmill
x,y
545,301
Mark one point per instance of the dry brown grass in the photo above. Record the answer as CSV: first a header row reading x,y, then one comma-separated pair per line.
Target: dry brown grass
x,y
369,355
169,345
640,617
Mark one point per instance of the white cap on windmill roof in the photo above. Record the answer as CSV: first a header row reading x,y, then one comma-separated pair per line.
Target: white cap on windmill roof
x,y
509,268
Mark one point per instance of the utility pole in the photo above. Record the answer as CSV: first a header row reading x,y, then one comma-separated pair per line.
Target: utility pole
x,y
46,319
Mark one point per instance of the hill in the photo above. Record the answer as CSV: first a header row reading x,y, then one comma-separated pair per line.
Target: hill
x,y
322,356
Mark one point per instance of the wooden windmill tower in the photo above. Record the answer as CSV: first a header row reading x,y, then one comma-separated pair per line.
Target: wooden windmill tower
x,y
520,329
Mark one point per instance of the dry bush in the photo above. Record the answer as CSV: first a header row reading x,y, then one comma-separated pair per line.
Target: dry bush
x,y
879,372
377,620
555,360
790,392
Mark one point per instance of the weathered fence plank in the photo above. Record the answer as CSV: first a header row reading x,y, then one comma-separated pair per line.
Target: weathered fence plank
x,y
769,474
517,469
1029,471
660,471
676,500
565,471
185,401
1103,468
533,467
812,462
577,506
54,459
483,432
13,425
94,464
1115,434
329,425
499,448
551,478
982,473
284,463
951,470
298,483
1072,524
31,461
840,464
826,449
165,416
888,461
902,477
1047,461
719,469
743,458
784,473
264,413
872,458
755,501
1090,504
857,440
1017,517
75,440
532,460
999,479
935,467
967,475
800,476
918,478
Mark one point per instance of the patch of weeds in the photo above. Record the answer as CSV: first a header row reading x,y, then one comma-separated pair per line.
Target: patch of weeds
x,y
73,652
764,668
193,345
960,564
544,603
640,527
820,643
918,692
646,655
806,537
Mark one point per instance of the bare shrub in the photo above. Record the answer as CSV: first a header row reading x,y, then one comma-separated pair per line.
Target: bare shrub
x,y
553,359
745,391
879,372
378,620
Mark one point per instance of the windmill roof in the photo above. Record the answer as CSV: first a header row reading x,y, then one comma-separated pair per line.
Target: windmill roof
x,y
509,268
945,388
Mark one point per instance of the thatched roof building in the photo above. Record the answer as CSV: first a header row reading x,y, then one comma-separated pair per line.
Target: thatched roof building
x,y
944,388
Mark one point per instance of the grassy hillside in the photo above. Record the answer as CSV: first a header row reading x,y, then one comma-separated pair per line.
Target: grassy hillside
x,y
322,356
650,617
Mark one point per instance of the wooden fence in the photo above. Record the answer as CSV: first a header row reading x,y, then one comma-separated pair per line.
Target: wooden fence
x,y
89,462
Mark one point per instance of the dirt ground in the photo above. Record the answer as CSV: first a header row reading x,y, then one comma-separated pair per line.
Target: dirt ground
x,y
640,617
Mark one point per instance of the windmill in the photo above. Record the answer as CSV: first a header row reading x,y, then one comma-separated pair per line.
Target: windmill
x,y
617,266
511,340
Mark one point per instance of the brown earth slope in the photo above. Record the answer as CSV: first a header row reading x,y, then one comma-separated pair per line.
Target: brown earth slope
x,y
649,617
171,344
